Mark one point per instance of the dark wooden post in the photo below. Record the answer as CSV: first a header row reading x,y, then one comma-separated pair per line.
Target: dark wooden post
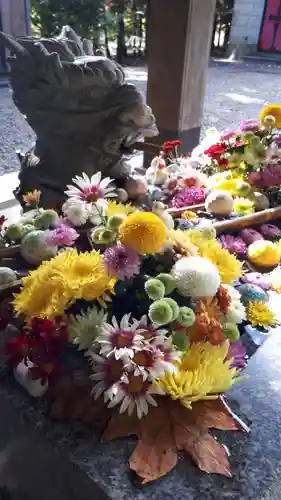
x,y
179,39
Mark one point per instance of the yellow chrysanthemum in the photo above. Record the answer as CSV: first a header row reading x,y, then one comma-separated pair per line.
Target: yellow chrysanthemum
x,y
181,243
204,242
143,232
115,208
263,253
189,215
204,373
243,206
259,314
224,182
57,283
272,110
229,267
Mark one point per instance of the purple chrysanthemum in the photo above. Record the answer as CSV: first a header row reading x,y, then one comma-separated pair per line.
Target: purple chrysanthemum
x,y
278,141
234,244
237,354
270,232
121,262
63,235
187,197
249,125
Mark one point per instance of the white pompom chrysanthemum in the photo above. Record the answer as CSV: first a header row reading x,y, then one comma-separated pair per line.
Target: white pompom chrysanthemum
x,y
76,212
196,277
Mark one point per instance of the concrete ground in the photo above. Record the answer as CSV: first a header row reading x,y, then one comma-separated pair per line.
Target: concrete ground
x,y
235,91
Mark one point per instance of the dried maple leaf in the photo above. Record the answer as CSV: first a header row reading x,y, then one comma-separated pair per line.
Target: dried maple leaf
x,y
72,400
171,428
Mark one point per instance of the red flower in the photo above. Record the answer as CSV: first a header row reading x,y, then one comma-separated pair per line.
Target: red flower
x,y
223,163
177,143
170,145
216,150
2,220
17,349
48,371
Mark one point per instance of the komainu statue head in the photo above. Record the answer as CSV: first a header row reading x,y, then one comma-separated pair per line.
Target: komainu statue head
x,y
84,114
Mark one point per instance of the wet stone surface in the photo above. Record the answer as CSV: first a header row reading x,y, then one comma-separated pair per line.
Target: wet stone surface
x,y
255,457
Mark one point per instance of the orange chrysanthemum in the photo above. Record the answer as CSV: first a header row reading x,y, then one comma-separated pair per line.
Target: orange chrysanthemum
x,y
207,324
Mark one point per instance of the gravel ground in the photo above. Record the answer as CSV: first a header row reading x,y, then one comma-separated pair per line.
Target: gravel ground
x,y
234,91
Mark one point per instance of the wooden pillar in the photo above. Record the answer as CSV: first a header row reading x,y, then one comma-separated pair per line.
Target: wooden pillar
x,y
179,39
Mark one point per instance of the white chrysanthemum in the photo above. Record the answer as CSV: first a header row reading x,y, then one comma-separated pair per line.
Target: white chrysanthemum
x,y
232,292
236,312
97,211
90,189
196,277
76,212
85,327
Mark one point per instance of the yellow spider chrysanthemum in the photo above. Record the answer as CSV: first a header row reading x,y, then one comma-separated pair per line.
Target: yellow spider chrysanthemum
x,y
57,283
259,314
115,208
242,206
204,373
229,267
272,110
143,232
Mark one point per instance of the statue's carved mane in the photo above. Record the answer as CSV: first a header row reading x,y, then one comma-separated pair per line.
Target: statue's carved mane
x,y
79,105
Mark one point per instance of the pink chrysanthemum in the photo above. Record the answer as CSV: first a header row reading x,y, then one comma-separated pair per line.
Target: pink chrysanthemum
x,y
227,134
233,244
187,197
122,262
63,235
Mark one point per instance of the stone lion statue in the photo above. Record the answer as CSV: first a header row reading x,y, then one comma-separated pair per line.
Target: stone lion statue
x,y
84,114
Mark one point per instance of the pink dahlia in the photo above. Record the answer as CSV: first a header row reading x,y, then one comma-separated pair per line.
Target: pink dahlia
x,y
234,244
63,235
237,354
187,197
122,262
249,125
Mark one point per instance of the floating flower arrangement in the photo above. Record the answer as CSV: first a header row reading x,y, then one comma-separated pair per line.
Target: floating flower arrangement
x,y
155,307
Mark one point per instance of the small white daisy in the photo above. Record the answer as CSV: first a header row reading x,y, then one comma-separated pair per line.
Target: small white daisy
x,y
133,393
91,189
120,340
107,371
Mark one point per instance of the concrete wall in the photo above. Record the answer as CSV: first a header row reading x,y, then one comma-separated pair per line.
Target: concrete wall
x,y
246,23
